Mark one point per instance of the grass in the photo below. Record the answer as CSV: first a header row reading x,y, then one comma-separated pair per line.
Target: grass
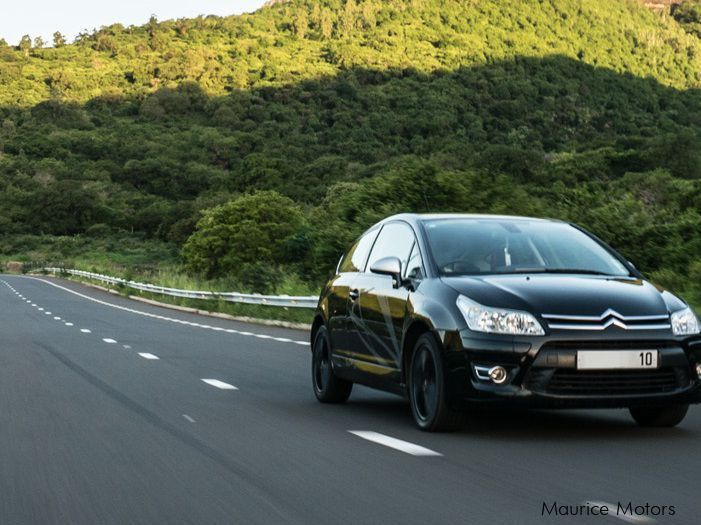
x,y
118,252
252,311
145,260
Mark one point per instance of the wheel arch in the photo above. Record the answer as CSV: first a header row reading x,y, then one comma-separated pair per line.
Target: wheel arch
x,y
318,322
416,329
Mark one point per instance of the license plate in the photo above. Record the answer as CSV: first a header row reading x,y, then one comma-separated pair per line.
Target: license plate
x,y
616,359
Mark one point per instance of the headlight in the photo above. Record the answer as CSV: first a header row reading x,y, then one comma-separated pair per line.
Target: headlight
x,y
498,320
685,322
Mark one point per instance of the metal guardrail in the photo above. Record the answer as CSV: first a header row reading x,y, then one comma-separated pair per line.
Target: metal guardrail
x,y
287,301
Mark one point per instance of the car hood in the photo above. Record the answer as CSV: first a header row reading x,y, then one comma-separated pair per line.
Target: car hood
x,y
566,295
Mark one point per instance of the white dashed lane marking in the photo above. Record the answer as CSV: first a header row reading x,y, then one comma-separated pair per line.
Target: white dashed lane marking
x,y
109,341
397,444
85,330
219,384
146,355
188,418
69,324
173,320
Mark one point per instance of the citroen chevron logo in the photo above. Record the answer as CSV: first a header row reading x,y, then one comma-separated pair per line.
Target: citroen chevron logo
x,y
611,313
617,323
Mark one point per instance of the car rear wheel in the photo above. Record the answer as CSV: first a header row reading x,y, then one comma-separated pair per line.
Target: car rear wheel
x,y
328,387
669,416
427,394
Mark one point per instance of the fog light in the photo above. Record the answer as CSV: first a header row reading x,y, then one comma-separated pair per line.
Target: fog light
x,y
698,370
498,375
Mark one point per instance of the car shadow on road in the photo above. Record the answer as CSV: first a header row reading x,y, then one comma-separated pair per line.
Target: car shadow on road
x,y
575,425
509,424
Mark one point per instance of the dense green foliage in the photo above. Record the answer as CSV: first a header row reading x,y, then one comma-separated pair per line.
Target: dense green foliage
x,y
688,14
588,110
246,237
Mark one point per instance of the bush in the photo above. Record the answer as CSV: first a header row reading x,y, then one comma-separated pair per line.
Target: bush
x,y
260,277
250,230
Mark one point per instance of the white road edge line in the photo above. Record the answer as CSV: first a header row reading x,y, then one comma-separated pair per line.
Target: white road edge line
x,y
397,444
163,318
219,384
622,517
146,355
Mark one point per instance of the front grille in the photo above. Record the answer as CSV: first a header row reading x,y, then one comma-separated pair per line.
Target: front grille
x,y
568,381
607,319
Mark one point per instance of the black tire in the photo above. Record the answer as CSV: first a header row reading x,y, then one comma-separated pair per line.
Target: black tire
x,y
427,391
328,387
669,416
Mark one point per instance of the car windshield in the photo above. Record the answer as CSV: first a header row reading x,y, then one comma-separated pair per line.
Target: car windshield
x,y
477,246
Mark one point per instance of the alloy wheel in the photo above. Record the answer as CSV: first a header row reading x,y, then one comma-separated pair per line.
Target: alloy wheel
x,y
424,384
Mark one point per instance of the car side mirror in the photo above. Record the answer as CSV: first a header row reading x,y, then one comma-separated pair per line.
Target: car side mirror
x,y
389,266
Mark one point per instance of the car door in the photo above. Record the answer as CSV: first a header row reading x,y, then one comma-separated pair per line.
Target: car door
x,y
378,311
350,266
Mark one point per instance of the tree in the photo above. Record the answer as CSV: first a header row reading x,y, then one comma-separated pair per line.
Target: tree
x,y
688,14
326,24
59,39
250,230
315,17
349,18
301,23
25,44
155,38
39,43
368,13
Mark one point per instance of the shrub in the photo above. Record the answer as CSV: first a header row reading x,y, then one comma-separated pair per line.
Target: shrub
x,y
250,230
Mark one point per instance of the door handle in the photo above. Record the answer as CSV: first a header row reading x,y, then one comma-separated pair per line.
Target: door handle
x,y
354,294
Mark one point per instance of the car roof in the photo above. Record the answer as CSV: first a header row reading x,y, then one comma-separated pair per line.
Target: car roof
x,y
414,218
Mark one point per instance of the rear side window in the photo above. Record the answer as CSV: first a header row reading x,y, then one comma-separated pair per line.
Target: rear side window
x,y
395,240
354,260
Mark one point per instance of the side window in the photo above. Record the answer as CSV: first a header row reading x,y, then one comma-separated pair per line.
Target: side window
x,y
395,240
414,268
354,260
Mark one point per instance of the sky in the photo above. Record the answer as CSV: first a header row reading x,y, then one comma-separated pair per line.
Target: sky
x,y
70,17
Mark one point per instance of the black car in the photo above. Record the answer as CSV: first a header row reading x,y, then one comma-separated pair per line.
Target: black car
x,y
462,311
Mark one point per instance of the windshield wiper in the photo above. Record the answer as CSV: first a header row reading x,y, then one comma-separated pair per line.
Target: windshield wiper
x,y
580,271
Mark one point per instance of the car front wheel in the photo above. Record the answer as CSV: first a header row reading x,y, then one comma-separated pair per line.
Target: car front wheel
x,y
328,387
427,394
669,416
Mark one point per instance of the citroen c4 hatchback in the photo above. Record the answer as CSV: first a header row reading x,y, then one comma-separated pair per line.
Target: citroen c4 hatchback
x,y
461,311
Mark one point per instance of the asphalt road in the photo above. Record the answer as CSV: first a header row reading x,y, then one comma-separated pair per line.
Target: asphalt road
x,y
94,429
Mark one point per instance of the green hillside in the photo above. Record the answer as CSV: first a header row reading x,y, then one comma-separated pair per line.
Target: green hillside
x,y
583,109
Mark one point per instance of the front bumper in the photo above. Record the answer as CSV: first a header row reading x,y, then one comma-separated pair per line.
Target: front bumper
x,y
543,373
